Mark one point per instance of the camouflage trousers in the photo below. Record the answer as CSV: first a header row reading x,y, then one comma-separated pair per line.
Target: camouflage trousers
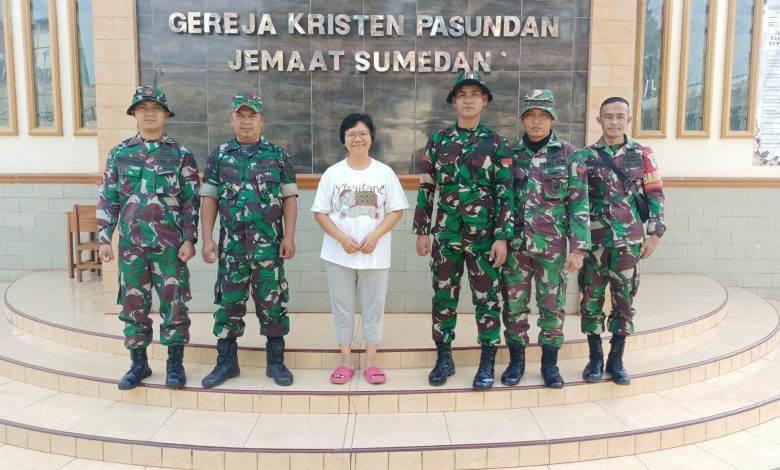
x,y
449,253
547,270
618,267
269,292
140,270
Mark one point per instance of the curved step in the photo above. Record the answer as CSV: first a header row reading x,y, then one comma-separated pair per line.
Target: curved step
x,y
671,308
749,330
726,452
100,429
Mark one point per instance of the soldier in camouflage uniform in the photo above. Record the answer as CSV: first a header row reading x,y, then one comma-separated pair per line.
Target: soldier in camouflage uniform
x,y
471,164
150,187
551,209
251,183
618,235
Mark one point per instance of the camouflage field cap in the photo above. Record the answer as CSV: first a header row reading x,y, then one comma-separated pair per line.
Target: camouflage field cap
x,y
541,99
149,93
248,99
469,78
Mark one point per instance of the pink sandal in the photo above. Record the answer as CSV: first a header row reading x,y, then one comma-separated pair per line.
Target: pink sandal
x,y
341,375
374,375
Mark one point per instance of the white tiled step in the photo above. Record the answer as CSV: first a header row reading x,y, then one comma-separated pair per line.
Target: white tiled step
x,y
749,330
20,458
670,308
757,448
62,423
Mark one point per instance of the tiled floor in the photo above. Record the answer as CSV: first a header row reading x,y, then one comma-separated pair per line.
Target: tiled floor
x,y
395,420
684,297
754,449
64,412
732,334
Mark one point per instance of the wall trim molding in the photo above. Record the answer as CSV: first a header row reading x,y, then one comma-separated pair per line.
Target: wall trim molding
x,y
706,182
52,178
310,181
413,181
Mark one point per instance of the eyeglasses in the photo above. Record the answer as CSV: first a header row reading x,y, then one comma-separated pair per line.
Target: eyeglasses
x,y
353,135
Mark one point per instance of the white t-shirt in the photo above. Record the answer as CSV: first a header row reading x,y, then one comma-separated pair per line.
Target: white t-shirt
x,y
357,202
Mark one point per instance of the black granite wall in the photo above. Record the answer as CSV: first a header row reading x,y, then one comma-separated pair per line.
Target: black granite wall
x,y
303,110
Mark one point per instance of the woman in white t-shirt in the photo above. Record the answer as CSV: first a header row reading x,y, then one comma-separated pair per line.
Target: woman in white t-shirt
x,y
358,202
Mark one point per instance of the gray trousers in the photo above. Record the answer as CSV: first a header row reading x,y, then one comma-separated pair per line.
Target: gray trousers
x,y
344,284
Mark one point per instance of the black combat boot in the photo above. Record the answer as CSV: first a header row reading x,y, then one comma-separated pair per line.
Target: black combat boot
x,y
175,376
516,368
550,373
139,370
615,361
227,363
444,366
483,380
274,360
595,367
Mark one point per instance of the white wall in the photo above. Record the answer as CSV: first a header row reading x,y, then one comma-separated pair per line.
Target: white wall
x,y
696,157
43,154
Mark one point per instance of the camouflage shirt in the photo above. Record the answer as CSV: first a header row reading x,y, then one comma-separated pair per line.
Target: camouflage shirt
x,y
551,198
151,188
472,169
249,183
614,218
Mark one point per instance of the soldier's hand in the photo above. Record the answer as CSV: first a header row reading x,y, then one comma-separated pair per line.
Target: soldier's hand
x,y
349,244
498,253
287,248
573,262
106,253
648,247
423,245
209,251
186,251
369,243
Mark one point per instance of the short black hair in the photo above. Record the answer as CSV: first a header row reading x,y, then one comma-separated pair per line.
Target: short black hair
x,y
352,120
614,99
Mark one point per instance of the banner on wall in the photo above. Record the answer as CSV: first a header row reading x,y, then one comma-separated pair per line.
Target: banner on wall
x,y
197,23
766,147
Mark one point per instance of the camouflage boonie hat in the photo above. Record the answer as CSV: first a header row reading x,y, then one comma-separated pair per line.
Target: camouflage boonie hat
x,y
469,78
149,93
540,99
248,99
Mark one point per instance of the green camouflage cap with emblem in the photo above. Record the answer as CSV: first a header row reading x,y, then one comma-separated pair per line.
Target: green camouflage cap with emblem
x,y
469,78
149,93
540,99
248,99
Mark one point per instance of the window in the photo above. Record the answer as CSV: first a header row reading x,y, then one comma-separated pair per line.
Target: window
x,y
43,80
698,37
7,86
739,90
652,59
82,67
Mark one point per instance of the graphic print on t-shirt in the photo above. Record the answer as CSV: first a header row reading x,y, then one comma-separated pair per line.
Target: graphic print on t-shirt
x,y
356,201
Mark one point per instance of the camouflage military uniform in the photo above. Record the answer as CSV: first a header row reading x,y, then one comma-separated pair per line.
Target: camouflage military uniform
x,y
474,210
249,183
617,233
551,208
151,189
